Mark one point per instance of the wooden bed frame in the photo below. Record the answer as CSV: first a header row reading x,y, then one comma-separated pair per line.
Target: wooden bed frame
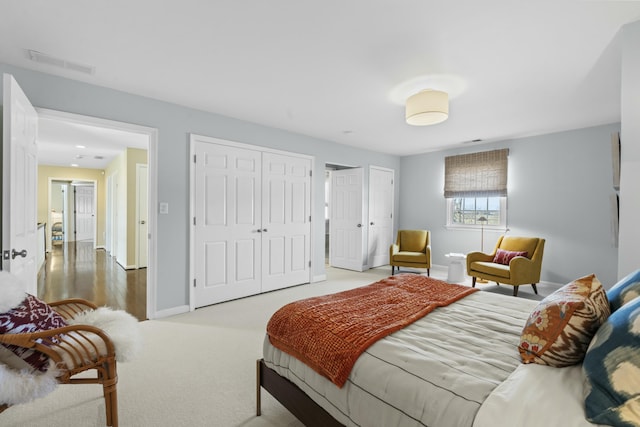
x,y
291,397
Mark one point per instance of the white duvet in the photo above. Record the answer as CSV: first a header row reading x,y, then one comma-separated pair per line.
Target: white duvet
x,y
457,366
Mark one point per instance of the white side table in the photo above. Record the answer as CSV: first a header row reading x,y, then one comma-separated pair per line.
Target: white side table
x,y
456,267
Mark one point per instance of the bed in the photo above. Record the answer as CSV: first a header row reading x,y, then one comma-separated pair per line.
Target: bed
x,y
458,365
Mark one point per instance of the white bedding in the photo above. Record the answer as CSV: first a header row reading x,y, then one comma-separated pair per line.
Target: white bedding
x,y
459,366
534,396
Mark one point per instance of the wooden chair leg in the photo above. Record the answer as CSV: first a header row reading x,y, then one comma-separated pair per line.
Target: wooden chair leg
x,y
473,281
428,272
515,291
535,289
392,268
110,392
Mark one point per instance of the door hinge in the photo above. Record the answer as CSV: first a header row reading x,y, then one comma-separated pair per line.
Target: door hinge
x,y
194,220
391,182
309,263
194,158
309,218
310,172
194,283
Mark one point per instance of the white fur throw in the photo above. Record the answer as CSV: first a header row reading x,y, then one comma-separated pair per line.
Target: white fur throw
x,y
121,327
24,386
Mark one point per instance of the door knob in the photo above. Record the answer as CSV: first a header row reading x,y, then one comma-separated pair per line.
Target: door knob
x,y
370,223
22,253
264,229
143,222
259,231
359,225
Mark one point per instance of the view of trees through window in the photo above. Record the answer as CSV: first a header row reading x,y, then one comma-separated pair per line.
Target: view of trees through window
x,y
468,211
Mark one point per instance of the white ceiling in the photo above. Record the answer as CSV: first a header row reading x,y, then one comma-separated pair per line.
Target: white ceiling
x,y
340,70
69,143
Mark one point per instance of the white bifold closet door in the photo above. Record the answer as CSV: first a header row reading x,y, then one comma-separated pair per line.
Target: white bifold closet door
x,y
251,225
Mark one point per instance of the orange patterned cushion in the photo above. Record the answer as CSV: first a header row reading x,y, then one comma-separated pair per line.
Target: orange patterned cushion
x,y
560,328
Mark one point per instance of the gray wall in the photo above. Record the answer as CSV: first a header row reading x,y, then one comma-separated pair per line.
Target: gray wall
x,y
174,123
559,188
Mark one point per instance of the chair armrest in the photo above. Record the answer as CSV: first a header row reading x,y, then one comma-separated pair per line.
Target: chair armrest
x,y
71,347
479,256
68,308
394,249
524,270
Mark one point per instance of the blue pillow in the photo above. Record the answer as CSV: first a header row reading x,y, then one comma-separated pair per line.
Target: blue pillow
x,y
624,291
612,369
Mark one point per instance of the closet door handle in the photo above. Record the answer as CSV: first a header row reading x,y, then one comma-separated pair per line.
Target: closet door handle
x,y
264,230
259,231
22,253
359,225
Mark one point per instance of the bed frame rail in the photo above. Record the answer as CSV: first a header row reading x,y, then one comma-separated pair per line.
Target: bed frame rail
x,y
291,397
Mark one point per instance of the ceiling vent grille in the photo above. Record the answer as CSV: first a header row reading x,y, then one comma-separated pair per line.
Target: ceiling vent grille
x,y
43,58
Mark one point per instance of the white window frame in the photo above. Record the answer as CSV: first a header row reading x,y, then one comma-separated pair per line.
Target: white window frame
x,y
503,217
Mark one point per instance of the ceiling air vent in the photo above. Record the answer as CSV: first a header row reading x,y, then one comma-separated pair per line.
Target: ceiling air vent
x,y
43,58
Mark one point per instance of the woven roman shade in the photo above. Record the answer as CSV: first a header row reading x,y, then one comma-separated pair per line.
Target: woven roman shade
x,y
482,174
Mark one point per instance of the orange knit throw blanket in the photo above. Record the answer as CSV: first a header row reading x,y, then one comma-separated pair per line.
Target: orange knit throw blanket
x,y
329,332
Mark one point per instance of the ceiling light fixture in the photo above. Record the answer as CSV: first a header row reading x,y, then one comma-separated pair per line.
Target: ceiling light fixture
x,y
427,107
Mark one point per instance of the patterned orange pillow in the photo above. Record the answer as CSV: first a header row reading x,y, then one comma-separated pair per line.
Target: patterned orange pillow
x,y
560,328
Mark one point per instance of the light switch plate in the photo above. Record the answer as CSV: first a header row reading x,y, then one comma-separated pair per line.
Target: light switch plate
x,y
164,208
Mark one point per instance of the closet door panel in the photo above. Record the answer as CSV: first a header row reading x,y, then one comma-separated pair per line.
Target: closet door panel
x,y
286,220
227,237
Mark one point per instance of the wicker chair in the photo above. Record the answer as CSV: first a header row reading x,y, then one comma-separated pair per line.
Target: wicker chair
x,y
75,349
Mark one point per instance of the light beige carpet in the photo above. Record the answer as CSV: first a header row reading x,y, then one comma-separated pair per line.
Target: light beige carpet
x,y
196,369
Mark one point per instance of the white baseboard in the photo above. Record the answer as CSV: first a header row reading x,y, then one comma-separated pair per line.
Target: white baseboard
x,y
169,312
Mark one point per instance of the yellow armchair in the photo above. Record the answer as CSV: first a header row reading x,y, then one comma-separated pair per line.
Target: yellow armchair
x,y
520,270
412,249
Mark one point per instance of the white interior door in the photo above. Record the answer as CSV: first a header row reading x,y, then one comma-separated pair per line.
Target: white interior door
x,y
380,215
346,224
85,212
19,187
142,213
286,220
227,223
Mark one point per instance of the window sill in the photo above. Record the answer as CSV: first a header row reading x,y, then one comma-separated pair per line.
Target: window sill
x,y
501,229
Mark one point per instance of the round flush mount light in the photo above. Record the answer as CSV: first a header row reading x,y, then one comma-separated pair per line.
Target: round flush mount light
x,y
427,107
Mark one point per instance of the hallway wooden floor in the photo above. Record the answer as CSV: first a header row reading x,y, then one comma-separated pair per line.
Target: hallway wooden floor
x,y
77,270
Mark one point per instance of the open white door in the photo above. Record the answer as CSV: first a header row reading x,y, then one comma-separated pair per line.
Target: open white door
x,y
346,244
142,213
19,185
380,215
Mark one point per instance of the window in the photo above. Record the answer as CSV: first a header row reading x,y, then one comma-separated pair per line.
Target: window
x,y
475,186
467,211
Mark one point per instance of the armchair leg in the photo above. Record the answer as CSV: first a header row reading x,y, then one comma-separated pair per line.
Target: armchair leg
x,y
473,281
428,273
392,269
535,289
515,291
